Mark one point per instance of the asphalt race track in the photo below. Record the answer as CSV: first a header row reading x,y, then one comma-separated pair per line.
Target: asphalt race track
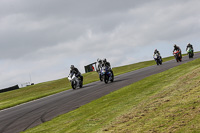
x,y
28,115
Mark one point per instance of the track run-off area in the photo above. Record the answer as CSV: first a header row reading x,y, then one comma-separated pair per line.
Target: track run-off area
x,y
28,115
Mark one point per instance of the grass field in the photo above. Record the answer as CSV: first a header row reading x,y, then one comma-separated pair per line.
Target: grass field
x,y
12,98
165,102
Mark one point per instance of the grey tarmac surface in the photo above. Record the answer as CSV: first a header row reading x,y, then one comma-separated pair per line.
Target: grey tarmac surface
x,y
28,115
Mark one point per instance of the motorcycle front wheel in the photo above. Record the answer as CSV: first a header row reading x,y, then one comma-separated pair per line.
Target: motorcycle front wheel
x,y
106,79
73,85
160,62
190,55
157,62
177,59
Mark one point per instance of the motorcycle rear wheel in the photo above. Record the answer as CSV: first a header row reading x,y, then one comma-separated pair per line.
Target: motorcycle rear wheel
x,y
112,77
177,59
81,84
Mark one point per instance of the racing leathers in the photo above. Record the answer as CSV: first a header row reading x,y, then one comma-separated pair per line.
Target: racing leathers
x,y
76,72
177,48
99,66
107,64
157,52
189,46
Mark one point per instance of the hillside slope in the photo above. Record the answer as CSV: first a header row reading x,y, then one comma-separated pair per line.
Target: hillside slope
x,y
165,102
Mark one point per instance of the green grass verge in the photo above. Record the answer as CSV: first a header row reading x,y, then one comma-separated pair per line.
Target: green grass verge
x,y
22,95
165,102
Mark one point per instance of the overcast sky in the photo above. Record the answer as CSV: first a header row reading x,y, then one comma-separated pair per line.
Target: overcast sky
x,y
42,38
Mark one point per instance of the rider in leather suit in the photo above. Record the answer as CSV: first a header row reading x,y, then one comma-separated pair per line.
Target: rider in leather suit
x,y
74,70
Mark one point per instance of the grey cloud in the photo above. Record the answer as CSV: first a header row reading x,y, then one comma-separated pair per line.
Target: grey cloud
x,y
73,8
31,25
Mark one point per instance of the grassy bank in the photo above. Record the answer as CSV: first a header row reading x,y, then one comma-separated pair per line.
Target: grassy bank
x,y
12,98
165,102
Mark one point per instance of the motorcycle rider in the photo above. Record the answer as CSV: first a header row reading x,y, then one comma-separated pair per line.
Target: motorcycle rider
x,y
190,46
157,52
177,48
74,70
107,64
99,66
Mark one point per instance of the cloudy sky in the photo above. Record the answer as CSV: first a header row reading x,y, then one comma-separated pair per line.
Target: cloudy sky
x,y
43,38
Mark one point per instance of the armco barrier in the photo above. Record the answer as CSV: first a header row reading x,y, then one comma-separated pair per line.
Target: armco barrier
x,y
9,89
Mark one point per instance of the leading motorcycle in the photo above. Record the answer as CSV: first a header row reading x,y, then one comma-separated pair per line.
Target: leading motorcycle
x,y
190,52
75,81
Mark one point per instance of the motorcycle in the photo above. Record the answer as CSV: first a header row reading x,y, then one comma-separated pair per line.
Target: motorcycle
x,y
75,81
158,59
190,52
100,75
177,56
107,75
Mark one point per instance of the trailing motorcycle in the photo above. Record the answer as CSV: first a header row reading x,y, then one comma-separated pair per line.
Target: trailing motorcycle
x,y
75,81
190,52
107,75
100,75
158,59
177,56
